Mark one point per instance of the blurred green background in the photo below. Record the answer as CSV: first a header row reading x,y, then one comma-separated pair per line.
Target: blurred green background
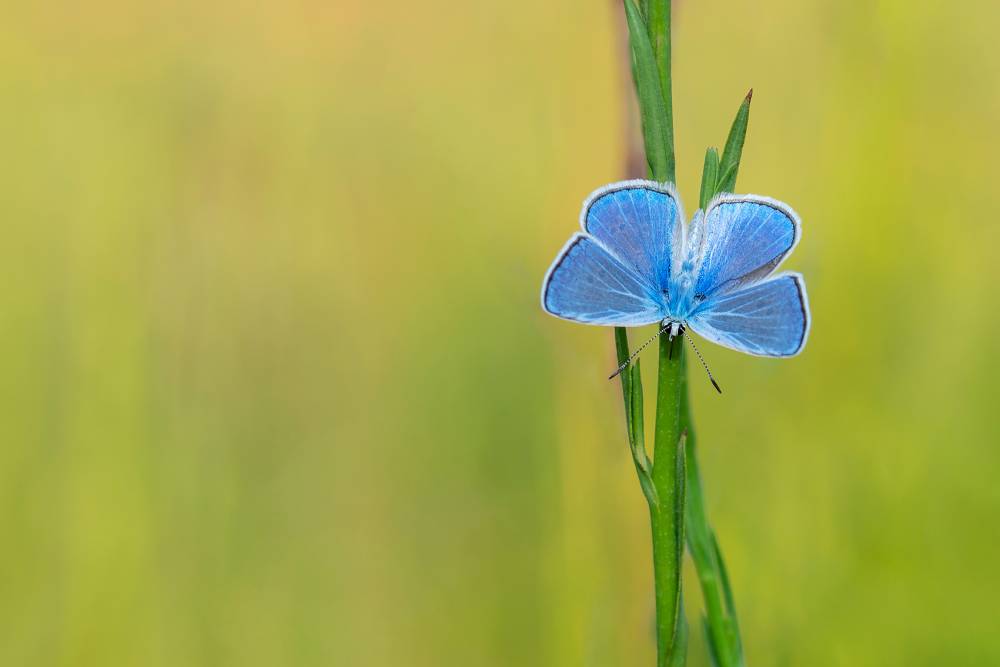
x,y
277,390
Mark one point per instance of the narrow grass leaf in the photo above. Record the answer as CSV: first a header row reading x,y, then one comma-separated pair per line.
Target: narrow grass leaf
x,y
621,350
638,433
633,399
679,657
655,130
709,177
696,523
648,489
727,591
713,654
657,13
680,471
733,152
642,465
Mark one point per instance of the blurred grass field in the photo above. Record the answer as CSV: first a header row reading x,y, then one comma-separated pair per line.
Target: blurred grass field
x,y
277,390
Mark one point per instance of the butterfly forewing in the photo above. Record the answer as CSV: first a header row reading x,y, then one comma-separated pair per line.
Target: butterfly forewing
x,y
639,222
618,272
740,240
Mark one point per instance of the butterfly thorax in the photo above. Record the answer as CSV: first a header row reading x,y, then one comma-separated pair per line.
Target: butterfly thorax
x,y
680,301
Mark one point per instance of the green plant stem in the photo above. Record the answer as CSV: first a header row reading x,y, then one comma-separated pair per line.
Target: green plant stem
x,y
649,41
667,517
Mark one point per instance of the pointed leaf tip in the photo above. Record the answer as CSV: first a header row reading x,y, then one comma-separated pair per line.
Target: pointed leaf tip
x,y
733,152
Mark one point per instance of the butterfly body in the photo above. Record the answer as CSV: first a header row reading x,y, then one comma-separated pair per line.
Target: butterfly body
x,y
636,263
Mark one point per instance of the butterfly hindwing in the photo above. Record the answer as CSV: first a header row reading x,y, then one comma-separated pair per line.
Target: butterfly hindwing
x,y
586,283
769,318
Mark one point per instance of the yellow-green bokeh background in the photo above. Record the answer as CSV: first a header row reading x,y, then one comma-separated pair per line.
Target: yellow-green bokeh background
x,y
276,389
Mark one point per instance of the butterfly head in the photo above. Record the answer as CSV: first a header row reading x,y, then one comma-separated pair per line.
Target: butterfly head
x,y
672,328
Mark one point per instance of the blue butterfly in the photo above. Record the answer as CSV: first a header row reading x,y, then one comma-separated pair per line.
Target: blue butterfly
x,y
637,263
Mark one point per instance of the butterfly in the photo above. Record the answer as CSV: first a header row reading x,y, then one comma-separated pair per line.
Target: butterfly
x,y
637,262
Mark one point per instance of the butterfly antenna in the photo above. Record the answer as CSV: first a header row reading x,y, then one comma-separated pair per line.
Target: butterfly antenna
x,y
702,360
636,353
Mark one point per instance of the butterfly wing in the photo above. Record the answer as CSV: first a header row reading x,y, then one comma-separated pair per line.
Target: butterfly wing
x,y
588,284
768,319
640,223
739,240
616,272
